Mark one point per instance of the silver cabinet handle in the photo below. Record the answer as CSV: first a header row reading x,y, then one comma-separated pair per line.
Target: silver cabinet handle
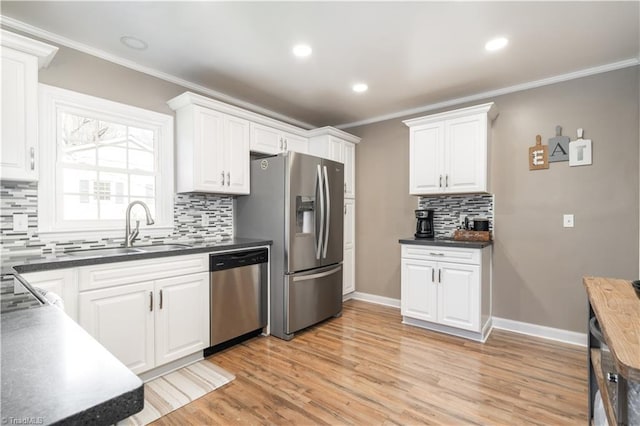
x,y
433,272
32,152
281,147
286,144
345,209
439,275
160,299
436,254
446,181
228,178
440,181
150,301
345,187
223,178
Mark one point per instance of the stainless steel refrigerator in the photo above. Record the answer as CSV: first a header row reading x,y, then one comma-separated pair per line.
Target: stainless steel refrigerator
x,y
297,200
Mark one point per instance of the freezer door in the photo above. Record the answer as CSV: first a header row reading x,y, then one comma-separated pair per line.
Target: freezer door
x,y
305,212
312,296
333,179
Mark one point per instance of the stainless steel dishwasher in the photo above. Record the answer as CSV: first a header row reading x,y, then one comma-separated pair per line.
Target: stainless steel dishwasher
x,y
238,297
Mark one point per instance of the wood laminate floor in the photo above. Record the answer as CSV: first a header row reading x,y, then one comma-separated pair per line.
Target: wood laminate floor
x,y
367,368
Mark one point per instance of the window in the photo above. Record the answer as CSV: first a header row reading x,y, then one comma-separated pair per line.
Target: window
x,y
97,157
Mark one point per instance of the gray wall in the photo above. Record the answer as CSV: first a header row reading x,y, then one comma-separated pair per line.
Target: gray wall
x,y
538,264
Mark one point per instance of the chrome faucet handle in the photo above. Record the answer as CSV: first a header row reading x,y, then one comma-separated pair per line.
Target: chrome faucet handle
x,y
134,233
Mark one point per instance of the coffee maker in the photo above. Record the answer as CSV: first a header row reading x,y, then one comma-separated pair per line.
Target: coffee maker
x,y
424,226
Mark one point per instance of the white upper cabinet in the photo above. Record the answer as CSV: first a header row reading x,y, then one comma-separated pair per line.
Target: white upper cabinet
x,y
449,152
21,59
339,146
212,150
268,140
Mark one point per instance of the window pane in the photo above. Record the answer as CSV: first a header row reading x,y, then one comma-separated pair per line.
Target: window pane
x,y
112,156
78,181
111,209
110,133
141,160
79,207
142,186
141,138
75,139
113,187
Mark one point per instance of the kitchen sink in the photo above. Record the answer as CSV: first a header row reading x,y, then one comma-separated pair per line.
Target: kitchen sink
x,y
161,247
104,251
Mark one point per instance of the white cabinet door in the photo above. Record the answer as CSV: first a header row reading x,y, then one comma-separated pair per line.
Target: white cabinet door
x,y
60,281
426,167
295,143
349,170
348,261
236,155
459,295
182,316
419,290
336,149
19,115
208,152
265,139
465,154
122,320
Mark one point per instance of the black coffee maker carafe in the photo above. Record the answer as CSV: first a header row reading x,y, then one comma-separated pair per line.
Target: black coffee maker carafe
x,y
424,226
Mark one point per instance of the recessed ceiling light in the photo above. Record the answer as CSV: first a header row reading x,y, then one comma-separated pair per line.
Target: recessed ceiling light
x,y
496,44
133,42
302,50
360,87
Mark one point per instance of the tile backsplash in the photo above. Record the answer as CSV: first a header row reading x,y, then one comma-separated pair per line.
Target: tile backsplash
x,y
189,209
448,209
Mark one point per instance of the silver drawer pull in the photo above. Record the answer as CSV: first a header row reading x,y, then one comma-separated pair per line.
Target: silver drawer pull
x,y
150,301
33,158
228,178
436,254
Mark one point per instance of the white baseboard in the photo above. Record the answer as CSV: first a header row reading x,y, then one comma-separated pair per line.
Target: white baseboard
x,y
535,330
374,298
557,334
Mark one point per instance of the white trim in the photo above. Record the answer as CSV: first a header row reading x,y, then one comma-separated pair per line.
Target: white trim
x,y
38,32
52,99
332,131
454,331
557,334
374,298
44,52
632,62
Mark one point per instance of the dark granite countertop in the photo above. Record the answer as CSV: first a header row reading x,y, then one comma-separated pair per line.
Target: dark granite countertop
x,y
54,371
445,242
58,260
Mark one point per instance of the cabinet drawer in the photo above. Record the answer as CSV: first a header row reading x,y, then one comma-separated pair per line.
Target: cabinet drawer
x,y
114,274
442,254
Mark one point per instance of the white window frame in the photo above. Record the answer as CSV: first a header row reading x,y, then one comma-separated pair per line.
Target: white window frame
x,y
50,223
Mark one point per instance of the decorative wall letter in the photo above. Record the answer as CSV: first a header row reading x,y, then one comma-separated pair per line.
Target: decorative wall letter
x,y
559,147
580,151
538,155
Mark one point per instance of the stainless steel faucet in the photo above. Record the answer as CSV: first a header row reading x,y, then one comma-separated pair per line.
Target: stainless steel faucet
x,y
130,236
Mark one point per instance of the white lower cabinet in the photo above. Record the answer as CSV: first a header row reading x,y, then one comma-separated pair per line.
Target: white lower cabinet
x,y
62,282
147,319
447,289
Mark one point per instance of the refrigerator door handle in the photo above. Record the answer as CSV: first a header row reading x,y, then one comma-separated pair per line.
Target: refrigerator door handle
x,y
318,275
328,196
320,192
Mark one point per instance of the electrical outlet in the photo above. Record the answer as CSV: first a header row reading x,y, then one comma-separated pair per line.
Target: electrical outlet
x,y
567,220
20,222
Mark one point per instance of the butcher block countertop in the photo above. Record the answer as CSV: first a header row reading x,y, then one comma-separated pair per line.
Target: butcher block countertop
x,y
617,308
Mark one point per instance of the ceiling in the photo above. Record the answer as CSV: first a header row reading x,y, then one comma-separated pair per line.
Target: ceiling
x,y
411,54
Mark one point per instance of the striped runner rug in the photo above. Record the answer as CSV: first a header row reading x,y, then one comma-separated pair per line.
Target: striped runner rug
x,y
174,390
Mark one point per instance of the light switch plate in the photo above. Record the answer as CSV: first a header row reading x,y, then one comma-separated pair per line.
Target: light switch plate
x,y
20,222
567,221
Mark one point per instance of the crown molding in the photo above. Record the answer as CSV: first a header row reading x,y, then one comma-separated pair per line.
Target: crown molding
x,y
55,38
44,52
332,131
632,62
